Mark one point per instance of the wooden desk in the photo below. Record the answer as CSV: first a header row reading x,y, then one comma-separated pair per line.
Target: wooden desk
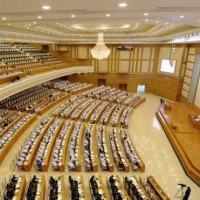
x,y
50,146
120,187
64,149
29,162
18,117
48,106
15,137
20,193
159,191
139,187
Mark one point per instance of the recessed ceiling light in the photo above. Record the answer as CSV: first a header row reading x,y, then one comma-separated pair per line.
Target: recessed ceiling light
x,y
172,25
72,16
146,20
46,7
39,17
146,14
157,22
108,15
122,5
167,23
34,22
181,16
4,18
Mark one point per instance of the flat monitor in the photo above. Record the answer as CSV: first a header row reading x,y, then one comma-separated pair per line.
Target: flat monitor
x,y
168,66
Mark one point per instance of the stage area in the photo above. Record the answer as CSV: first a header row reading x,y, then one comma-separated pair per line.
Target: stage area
x,y
184,138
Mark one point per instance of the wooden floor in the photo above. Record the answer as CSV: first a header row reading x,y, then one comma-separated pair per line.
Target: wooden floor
x,y
185,139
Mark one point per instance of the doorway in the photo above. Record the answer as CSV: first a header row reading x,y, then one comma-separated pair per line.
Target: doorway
x,y
141,88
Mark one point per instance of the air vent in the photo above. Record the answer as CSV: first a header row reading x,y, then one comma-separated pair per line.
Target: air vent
x,y
125,48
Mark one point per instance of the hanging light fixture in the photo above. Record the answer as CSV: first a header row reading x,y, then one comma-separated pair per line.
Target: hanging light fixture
x,y
100,51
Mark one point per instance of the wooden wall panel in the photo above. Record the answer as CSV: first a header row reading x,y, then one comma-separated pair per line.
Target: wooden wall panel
x,y
124,54
184,93
192,50
133,59
123,66
188,73
103,66
168,87
191,58
190,65
145,66
188,70
83,52
146,53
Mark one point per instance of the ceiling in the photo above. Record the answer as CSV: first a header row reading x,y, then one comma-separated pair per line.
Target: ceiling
x,y
79,21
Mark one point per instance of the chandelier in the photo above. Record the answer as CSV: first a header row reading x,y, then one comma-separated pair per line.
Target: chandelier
x,y
100,51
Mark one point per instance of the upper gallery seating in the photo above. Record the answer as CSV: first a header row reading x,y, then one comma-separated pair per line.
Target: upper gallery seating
x,y
4,113
26,48
26,59
42,56
57,64
6,48
12,59
33,68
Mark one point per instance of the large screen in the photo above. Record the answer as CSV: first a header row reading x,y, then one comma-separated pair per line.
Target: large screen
x,y
168,66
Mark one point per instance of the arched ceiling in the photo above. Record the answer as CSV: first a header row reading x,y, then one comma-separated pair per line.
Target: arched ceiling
x,y
79,21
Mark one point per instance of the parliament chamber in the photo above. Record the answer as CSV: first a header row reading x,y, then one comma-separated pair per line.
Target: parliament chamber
x,y
100,101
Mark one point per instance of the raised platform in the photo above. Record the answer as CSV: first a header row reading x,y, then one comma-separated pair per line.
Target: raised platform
x,y
184,138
